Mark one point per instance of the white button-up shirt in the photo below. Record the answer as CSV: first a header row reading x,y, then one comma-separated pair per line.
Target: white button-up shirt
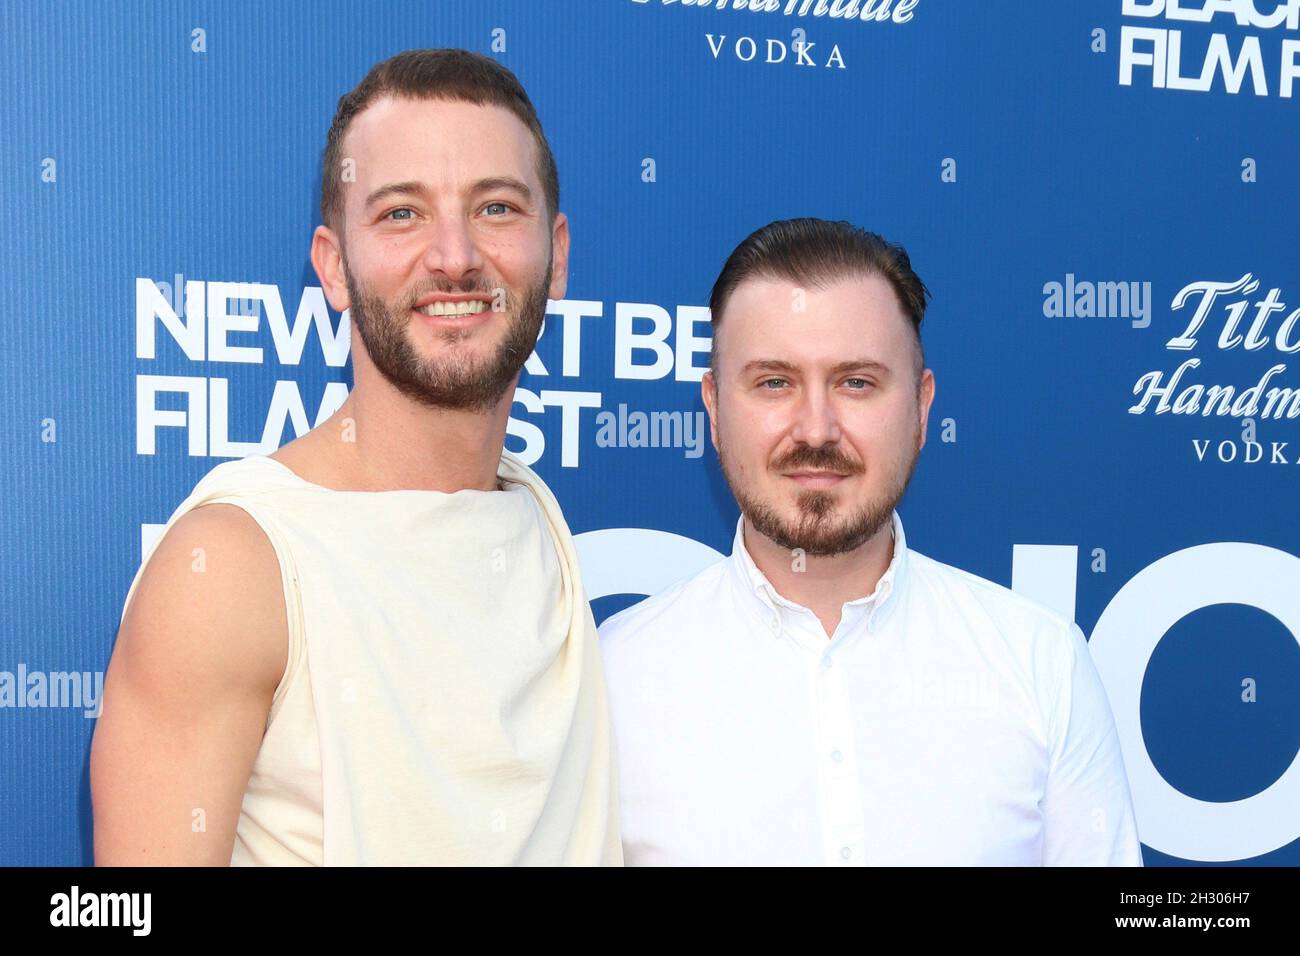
x,y
947,720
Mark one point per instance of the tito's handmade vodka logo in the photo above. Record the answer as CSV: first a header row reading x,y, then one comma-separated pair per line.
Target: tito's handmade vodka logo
x,y
1227,305
797,49
864,11
1247,321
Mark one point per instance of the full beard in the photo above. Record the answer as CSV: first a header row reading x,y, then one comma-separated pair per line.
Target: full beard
x,y
456,380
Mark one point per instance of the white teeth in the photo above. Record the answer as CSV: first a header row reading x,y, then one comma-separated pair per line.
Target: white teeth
x,y
470,307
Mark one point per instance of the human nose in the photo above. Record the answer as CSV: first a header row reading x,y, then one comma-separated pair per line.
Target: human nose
x,y
817,421
452,250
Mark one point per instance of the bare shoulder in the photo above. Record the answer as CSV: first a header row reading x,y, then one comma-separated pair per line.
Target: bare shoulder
x,y
209,607
202,646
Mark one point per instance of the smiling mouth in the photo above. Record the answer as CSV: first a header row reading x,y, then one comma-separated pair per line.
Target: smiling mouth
x,y
467,307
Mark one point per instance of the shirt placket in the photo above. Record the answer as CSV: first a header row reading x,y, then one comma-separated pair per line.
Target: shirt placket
x,y
844,827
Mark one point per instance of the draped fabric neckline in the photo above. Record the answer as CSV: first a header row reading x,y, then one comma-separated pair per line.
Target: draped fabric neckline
x,y
503,484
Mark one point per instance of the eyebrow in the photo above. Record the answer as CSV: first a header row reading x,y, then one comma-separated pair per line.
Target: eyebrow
x,y
853,365
414,188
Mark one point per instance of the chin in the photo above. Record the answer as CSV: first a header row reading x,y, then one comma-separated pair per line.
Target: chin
x,y
435,343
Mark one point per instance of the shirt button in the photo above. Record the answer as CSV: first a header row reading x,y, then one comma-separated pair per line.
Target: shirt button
x,y
827,661
837,756
776,625
845,852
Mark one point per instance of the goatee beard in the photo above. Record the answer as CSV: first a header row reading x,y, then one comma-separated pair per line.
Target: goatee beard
x,y
816,533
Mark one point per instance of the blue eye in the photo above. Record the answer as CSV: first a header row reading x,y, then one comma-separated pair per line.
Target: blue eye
x,y
769,381
402,209
501,204
865,383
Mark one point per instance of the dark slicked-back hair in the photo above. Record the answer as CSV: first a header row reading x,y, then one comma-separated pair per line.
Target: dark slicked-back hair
x,y
446,74
814,252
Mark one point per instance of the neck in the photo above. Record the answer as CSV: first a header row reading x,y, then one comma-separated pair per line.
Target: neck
x,y
823,584
402,444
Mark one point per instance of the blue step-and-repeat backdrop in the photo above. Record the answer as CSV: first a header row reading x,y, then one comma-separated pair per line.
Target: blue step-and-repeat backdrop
x,y
1102,196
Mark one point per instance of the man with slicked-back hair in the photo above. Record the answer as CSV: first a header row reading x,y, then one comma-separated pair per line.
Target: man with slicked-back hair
x,y
827,695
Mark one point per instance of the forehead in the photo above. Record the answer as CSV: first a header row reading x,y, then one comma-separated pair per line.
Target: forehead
x,y
445,143
813,326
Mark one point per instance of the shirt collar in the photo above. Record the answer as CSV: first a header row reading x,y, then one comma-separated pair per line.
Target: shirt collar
x,y
876,604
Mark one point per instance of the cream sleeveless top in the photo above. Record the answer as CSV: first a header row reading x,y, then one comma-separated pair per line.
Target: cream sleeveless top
x,y
443,700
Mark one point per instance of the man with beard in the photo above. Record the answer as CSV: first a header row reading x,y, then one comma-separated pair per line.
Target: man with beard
x,y
826,695
373,646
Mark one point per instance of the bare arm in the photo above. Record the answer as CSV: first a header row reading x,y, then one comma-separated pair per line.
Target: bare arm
x,y
201,649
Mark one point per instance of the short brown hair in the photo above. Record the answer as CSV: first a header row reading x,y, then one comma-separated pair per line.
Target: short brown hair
x,y
815,251
439,74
